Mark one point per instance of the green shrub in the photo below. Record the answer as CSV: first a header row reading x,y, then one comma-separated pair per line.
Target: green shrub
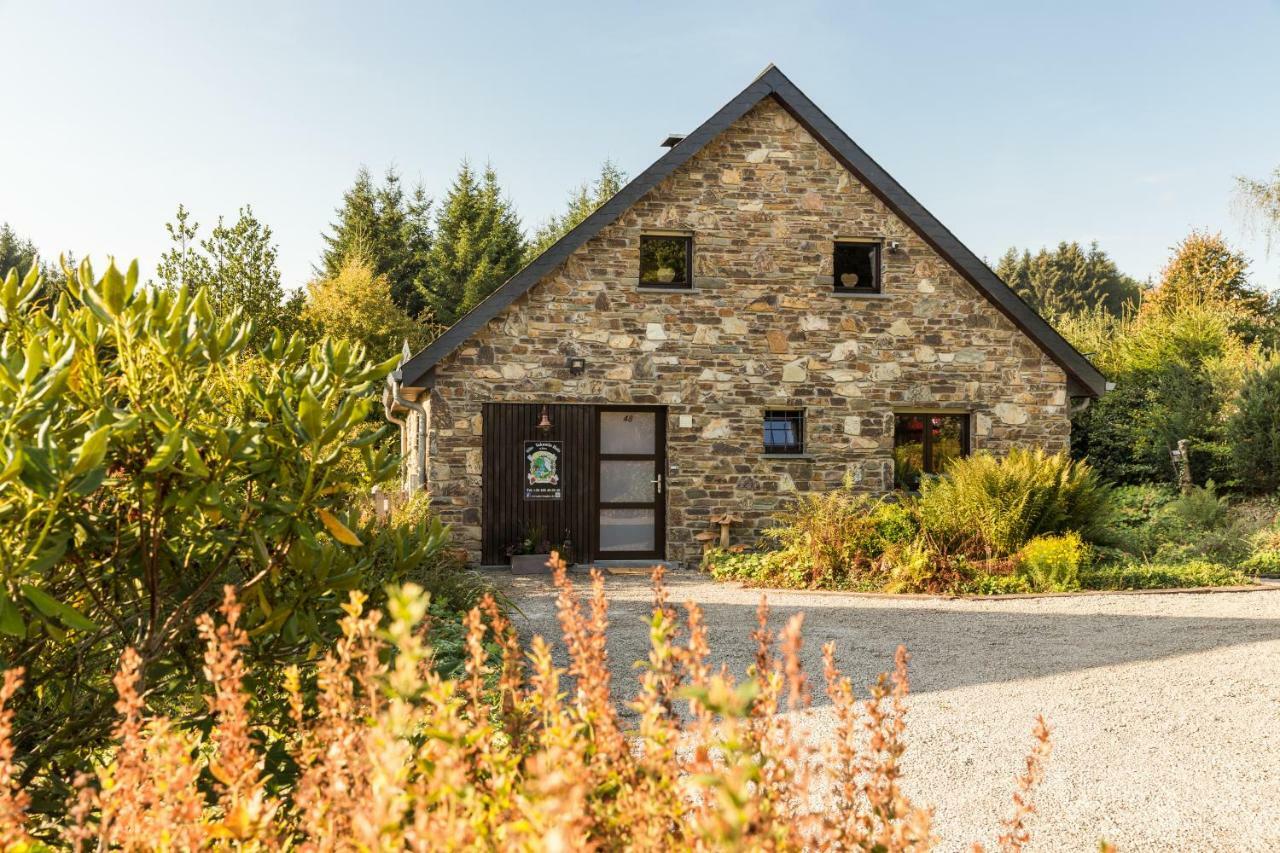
x,y
1160,575
1175,374
1052,563
989,506
141,470
836,538
1253,432
919,567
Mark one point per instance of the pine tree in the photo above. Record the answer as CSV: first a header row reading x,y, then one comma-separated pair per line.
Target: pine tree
x,y
583,201
477,244
15,252
1068,280
391,230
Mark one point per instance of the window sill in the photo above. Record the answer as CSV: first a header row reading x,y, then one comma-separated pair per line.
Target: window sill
x,y
665,288
850,294
799,457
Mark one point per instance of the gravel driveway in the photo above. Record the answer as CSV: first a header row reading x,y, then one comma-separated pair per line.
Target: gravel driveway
x,y
1165,709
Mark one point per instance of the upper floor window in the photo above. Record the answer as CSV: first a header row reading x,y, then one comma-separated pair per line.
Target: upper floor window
x,y
923,443
857,267
666,261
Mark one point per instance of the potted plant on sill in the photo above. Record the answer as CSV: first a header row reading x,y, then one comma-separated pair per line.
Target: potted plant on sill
x,y
531,554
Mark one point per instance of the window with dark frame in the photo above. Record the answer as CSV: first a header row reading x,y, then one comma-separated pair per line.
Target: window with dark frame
x,y
784,431
857,267
924,443
666,261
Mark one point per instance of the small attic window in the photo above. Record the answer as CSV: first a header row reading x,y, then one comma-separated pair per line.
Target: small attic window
x,y
857,267
666,261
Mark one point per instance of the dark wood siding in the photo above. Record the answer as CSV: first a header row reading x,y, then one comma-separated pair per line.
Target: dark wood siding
x,y
506,514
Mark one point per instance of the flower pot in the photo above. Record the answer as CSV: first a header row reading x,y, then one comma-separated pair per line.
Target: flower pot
x,y
666,275
530,564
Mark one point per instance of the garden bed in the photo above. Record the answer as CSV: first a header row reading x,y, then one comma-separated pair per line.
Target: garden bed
x,y
1027,524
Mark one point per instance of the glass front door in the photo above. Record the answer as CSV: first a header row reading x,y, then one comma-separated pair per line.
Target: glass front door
x,y
631,510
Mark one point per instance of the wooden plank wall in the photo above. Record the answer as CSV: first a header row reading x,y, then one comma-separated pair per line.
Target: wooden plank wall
x,y
506,514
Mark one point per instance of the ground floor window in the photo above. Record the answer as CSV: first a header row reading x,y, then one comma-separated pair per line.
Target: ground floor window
x,y
923,443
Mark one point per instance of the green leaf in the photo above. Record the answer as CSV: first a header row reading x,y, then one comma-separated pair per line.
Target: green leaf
x,y
166,453
55,609
10,618
191,457
92,450
311,414
337,529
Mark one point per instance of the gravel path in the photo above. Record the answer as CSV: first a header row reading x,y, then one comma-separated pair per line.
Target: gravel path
x,y
1165,708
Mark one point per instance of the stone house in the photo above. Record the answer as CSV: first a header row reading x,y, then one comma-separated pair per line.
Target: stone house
x,y
763,312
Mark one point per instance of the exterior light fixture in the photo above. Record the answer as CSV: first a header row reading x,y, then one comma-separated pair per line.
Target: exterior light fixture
x,y
544,420
577,366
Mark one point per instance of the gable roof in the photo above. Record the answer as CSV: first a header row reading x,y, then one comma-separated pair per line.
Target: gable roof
x,y
1083,377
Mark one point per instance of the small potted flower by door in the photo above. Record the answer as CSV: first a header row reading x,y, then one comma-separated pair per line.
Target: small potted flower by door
x,y
531,554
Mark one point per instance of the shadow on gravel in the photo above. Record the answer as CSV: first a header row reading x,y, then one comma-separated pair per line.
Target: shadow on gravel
x,y
950,647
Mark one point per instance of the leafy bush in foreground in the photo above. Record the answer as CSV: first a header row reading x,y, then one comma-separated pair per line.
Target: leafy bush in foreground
x,y
390,756
991,506
142,468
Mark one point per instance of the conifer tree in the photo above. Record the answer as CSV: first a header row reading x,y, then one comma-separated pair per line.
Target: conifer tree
x,y
477,244
583,201
1068,280
388,227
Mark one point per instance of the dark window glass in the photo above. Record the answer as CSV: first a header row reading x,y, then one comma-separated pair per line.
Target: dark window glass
x,y
925,444
857,267
665,261
784,432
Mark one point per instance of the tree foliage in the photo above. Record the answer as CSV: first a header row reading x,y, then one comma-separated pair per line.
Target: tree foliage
x,y
1262,201
1068,279
1204,269
583,201
236,267
478,244
356,304
144,464
1253,432
391,230
1174,372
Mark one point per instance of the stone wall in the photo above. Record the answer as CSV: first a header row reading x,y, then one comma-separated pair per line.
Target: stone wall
x,y
761,329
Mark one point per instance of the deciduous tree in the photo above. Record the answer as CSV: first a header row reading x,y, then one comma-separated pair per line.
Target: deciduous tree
x,y
356,304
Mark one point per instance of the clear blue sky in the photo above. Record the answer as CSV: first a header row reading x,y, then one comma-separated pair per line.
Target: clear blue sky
x,y
1015,123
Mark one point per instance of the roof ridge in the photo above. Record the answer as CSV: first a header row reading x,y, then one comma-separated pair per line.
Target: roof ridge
x,y
772,82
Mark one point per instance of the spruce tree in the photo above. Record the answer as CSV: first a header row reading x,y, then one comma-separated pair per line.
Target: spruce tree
x,y
477,244
583,201
1068,280
390,229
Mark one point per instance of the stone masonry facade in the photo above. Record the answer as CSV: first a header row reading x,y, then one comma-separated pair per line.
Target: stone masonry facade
x,y
761,329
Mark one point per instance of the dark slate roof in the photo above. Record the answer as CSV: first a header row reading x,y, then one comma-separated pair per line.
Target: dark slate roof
x,y
1085,379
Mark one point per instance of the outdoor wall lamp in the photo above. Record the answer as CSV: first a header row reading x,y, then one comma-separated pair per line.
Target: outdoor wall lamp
x,y
577,366
544,420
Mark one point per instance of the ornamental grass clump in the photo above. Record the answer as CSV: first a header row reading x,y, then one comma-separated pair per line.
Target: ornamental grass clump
x,y
387,754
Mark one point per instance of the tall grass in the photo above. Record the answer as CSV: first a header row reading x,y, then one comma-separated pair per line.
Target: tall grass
x,y
390,755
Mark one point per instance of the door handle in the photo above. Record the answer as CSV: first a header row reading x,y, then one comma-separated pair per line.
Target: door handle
x,y
658,482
